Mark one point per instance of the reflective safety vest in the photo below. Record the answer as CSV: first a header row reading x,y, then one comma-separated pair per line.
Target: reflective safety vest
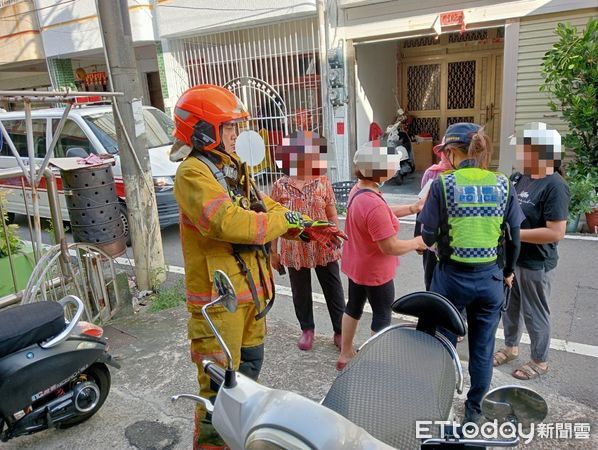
x,y
475,204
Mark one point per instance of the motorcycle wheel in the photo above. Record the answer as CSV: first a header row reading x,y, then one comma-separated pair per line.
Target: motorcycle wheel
x,y
125,219
100,375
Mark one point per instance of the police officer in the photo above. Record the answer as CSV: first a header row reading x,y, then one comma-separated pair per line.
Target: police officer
x,y
469,214
225,224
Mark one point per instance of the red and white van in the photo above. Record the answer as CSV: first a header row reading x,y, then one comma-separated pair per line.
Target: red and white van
x,y
92,129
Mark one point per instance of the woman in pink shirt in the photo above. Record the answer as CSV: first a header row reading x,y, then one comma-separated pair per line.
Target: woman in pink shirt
x,y
435,170
431,173
370,256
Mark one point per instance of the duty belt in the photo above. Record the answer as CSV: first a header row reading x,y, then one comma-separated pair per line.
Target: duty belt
x,y
466,267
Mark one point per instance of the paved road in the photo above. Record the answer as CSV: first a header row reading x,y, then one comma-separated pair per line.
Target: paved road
x,y
155,361
574,301
574,310
574,305
155,365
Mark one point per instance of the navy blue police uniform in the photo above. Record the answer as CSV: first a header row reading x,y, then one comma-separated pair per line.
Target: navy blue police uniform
x,y
476,288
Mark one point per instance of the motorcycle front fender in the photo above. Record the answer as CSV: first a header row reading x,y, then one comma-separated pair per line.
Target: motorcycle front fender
x,y
249,406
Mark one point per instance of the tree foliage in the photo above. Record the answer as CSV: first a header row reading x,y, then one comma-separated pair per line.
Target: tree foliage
x,y
10,241
570,71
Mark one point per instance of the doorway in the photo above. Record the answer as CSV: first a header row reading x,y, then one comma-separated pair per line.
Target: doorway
x,y
453,78
155,90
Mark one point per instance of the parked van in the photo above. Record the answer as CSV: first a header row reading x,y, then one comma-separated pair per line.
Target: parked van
x,y
92,129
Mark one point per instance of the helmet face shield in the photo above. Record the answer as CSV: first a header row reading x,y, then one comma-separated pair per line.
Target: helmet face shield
x,y
239,124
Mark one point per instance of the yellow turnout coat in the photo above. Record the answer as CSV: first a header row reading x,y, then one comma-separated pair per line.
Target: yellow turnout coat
x,y
210,222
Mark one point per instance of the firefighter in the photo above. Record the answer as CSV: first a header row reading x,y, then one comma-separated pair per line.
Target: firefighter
x,y
225,224
467,215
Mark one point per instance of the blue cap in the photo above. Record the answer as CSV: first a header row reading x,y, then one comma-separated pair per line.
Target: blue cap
x,y
460,133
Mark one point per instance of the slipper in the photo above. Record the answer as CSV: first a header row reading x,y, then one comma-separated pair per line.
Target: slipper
x,y
530,370
340,365
503,356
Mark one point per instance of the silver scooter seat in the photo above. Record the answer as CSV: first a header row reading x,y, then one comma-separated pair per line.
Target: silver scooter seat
x,y
401,375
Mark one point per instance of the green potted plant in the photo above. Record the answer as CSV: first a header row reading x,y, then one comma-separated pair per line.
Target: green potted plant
x,y
13,251
583,198
570,70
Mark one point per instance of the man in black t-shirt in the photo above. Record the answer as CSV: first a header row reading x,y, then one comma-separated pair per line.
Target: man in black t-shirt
x,y
544,198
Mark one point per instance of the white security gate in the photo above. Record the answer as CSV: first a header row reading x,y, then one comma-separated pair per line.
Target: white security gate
x,y
274,69
270,120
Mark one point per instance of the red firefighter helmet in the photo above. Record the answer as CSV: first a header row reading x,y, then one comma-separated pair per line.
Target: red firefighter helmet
x,y
200,112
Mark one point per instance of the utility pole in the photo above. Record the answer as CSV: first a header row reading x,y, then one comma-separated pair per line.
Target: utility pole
x,y
144,226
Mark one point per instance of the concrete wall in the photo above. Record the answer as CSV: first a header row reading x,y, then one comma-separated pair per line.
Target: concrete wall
x,y
536,37
376,81
23,80
73,28
525,47
20,40
192,17
147,61
373,19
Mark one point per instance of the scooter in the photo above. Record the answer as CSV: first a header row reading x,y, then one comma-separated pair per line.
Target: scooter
x,y
404,374
396,136
53,372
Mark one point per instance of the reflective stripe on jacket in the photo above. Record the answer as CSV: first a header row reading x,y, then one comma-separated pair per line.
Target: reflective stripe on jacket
x,y
475,201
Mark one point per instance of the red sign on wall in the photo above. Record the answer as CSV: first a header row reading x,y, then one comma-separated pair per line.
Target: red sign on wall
x,y
452,18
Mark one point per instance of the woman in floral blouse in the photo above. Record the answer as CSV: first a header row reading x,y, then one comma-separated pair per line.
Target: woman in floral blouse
x,y
308,191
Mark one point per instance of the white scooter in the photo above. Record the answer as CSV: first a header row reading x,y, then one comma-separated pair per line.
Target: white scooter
x,y
396,136
403,374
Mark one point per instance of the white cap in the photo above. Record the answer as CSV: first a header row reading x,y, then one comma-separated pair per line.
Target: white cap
x,y
539,134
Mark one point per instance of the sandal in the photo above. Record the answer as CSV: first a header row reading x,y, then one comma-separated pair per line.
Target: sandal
x,y
503,356
530,370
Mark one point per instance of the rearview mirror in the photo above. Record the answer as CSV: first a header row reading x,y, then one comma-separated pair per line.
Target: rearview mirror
x,y
225,290
76,152
250,147
506,403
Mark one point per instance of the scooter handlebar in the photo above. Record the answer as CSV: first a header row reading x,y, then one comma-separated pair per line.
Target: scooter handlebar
x,y
215,372
196,398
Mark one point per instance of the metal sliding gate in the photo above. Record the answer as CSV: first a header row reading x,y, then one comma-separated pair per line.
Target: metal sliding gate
x,y
273,69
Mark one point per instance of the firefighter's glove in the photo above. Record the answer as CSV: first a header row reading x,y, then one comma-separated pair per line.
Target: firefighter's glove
x,y
296,226
325,233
